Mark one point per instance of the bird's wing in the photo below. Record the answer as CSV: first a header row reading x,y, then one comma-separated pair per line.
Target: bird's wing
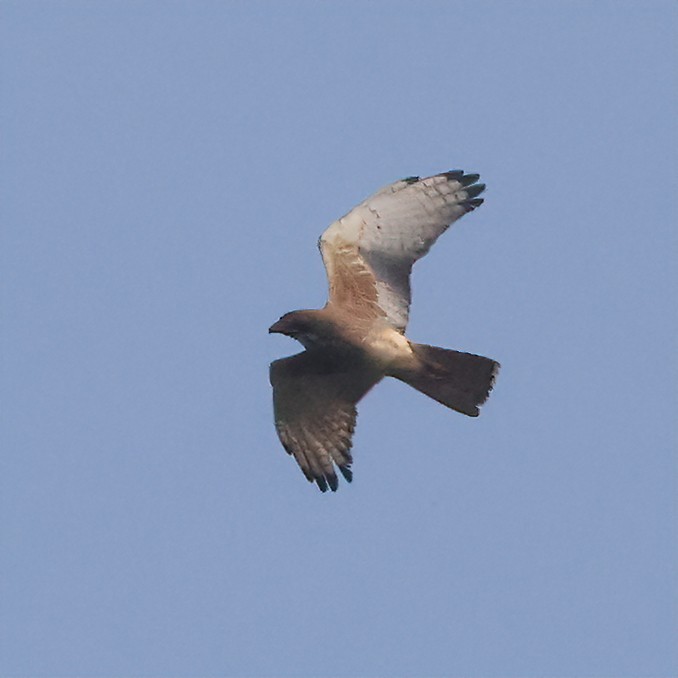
x,y
314,402
369,252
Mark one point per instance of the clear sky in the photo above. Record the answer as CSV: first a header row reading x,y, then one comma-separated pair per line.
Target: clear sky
x,y
166,169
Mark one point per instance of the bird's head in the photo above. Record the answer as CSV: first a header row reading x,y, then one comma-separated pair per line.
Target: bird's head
x,y
300,325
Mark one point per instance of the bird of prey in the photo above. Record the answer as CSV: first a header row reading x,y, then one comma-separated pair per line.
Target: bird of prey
x,y
359,336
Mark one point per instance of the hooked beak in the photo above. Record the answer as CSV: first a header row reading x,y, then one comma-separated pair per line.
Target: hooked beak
x,y
276,328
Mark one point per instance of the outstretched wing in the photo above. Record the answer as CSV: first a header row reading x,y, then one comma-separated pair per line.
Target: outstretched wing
x,y
314,402
369,252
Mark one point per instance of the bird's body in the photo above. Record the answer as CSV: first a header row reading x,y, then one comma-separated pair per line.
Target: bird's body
x,y
333,329
359,336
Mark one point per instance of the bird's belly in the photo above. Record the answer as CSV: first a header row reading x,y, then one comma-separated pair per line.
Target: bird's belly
x,y
388,348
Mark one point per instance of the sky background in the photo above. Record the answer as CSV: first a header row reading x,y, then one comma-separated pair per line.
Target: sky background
x,y
166,169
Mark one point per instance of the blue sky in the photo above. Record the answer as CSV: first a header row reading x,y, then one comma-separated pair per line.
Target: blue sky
x,y
166,169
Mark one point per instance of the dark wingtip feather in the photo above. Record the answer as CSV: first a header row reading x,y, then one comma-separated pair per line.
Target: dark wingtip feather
x,y
469,179
476,189
472,204
333,482
453,175
347,473
321,483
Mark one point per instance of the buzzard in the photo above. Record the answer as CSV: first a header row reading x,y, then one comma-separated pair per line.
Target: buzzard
x,y
358,338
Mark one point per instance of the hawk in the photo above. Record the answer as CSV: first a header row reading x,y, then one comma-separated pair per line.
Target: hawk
x,y
358,338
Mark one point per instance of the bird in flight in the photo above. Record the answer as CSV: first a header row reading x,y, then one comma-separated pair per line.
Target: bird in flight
x,y
358,338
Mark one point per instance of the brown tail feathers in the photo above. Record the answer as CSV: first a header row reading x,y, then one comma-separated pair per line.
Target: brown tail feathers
x,y
461,381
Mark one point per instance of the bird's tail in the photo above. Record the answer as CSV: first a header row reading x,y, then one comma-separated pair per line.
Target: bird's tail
x,y
461,381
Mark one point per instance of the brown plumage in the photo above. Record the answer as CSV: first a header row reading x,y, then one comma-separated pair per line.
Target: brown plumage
x,y
358,337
